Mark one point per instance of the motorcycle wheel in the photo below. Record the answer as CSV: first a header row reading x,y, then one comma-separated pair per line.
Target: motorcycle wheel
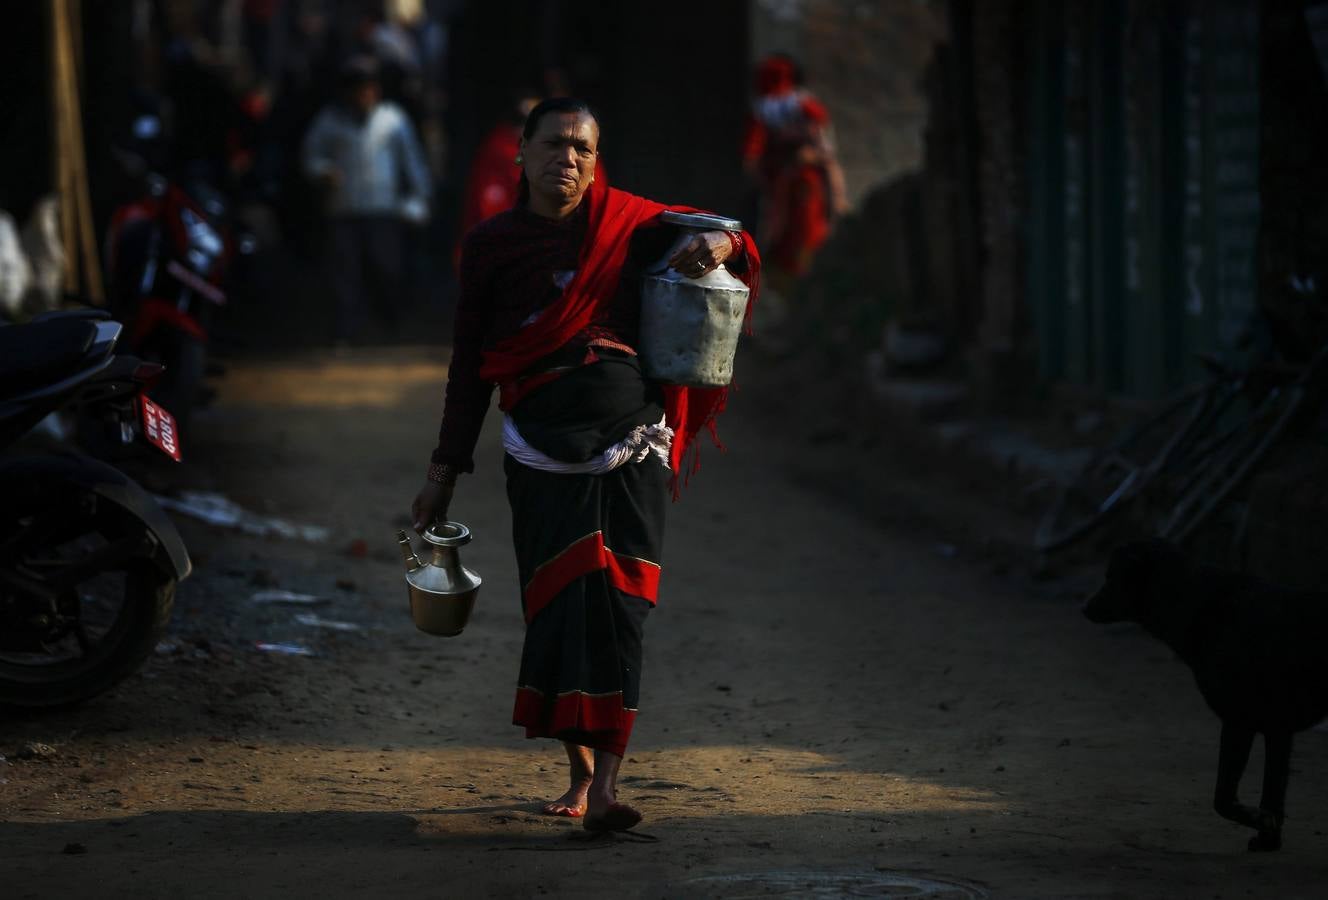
x,y
112,618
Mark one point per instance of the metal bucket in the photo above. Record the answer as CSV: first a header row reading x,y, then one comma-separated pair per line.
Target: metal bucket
x,y
690,326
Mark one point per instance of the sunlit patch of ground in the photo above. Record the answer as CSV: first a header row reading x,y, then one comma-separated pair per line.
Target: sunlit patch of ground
x,y
363,378
465,789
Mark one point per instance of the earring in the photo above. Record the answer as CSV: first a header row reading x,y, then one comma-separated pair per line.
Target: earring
x,y
519,159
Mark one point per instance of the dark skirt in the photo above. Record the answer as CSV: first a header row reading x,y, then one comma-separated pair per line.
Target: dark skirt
x,y
588,549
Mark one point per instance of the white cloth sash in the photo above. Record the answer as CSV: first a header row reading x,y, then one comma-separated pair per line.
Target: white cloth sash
x,y
643,441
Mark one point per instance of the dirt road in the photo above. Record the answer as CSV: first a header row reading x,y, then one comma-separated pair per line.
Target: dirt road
x,y
831,705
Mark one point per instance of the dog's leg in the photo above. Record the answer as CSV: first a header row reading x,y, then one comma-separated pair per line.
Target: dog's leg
x,y
1272,804
1235,753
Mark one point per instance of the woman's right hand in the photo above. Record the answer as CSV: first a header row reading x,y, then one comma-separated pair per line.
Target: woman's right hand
x,y
431,504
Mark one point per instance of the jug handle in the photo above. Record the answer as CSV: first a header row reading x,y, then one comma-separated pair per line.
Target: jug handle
x,y
662,264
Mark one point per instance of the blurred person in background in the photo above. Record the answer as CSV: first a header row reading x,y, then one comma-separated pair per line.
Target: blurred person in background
x,y
788,149
202,104
491,185
364,153
386,32
261,38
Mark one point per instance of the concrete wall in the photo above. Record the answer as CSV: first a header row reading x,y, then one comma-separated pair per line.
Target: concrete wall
x,y
865,61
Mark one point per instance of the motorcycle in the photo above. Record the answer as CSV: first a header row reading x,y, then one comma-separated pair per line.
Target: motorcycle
x,y
168,256
178,249
89,562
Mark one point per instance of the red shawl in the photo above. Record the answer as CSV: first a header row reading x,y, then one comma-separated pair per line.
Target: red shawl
x,y
612,217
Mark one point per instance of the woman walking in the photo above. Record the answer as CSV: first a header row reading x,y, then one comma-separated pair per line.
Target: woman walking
x,y
548,313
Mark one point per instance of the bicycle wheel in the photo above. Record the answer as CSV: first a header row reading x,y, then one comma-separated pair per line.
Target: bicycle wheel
x,y
1230,462
1117,472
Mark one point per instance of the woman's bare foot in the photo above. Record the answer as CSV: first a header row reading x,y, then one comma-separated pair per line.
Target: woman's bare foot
x,y
573,804
614,817
603,811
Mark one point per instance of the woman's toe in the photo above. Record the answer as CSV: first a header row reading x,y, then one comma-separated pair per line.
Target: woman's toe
x,y
556,808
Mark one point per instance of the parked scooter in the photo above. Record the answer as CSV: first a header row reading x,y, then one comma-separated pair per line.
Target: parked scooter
x,y
89,562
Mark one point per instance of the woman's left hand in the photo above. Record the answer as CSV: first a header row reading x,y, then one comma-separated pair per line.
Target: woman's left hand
x,y
703,253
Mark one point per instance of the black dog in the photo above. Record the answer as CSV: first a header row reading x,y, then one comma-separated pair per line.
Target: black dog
x,y
1259,653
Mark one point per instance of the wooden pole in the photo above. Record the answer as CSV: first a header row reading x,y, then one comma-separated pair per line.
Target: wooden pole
x,y
87,224
60,164
78,172
75,8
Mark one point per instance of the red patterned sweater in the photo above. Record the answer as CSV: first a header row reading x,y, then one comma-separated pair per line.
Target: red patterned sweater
x,y
512,266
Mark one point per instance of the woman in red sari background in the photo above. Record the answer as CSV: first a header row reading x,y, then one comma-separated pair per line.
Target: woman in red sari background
x,y
491,185
787,147
548,313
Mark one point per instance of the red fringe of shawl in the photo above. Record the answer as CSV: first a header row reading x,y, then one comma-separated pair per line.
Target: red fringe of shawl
x,y
613,216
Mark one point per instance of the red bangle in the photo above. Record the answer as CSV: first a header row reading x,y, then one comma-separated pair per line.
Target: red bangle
x,y
735,241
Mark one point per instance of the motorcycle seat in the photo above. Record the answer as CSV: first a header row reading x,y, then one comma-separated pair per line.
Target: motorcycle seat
x,y
36,354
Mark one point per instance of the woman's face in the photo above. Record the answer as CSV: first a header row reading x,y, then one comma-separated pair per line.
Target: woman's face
x,y
559,158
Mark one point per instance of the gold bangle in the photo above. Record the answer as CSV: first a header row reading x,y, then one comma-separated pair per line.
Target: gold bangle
x,y
443,473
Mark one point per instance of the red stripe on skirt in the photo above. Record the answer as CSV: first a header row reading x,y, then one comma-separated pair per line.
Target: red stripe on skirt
x,y
638,577
599,719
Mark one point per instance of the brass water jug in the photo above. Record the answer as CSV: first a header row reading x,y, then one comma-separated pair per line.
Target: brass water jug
x,y
442,591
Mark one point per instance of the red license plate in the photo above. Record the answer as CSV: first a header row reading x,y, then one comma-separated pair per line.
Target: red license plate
x,y
159,428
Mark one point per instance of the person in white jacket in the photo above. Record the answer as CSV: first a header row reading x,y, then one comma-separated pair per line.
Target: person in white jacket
x,y
365,154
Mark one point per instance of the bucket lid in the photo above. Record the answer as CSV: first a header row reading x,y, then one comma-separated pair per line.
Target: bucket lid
x,y
447,534
703,221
